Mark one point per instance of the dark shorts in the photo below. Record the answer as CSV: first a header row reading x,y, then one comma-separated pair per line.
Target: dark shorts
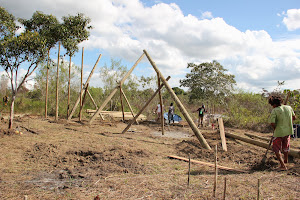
x,y
281,144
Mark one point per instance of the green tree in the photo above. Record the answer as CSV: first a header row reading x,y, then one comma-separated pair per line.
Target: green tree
x,y
40,84
208,81
30,47
15,50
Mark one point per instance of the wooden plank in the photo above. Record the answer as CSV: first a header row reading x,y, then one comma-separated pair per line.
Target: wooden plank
x,y
222,133
196,131
207,164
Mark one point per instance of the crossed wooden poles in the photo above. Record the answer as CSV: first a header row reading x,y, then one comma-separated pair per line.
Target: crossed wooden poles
x,y
160,85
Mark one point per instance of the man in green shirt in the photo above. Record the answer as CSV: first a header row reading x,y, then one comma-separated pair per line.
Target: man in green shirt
x,y
281,120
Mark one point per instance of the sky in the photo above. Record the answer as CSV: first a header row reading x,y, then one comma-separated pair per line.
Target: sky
x,y
257,41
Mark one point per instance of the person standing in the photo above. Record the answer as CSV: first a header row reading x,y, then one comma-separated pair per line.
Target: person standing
x,y
158,111
171,113
281,120
200,111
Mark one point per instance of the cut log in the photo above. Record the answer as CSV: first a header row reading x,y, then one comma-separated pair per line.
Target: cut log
x,y
207,164
292,152
259,137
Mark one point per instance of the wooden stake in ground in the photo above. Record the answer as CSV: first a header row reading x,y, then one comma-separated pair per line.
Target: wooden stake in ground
x,y
180,106
57,81
224,193
216,172
115,90
47,80
222,134
69,87
161,107
189,170
81,80
86,82
258,189
146,104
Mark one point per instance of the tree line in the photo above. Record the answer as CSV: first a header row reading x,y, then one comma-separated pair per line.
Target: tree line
x,y
207,83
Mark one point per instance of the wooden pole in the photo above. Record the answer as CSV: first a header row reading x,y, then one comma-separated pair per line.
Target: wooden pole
x,y
83,99
293,152
69,87
122,106
224,193
146,104
189,172
128,105
87,81
47,80
258,189
92,99
180,106
216,172
115,90
81,80
161,107
57,82
222,134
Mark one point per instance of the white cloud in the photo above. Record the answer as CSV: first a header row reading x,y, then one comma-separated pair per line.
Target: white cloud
x,y
207,15
292,19
124,28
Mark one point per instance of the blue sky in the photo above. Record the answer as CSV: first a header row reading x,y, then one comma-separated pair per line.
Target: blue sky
x,y
257,41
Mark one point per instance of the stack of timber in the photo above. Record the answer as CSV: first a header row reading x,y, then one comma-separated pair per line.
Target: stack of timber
x,y
117,115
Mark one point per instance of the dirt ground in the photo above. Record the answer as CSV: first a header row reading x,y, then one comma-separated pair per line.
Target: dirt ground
x,y
72,160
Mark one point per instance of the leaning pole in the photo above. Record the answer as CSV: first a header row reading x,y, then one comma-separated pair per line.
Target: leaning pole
x,y
180,106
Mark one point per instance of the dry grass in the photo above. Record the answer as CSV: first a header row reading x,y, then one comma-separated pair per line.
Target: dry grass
x,y
75,161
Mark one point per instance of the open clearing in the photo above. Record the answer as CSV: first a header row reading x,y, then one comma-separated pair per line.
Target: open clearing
x,y
71,160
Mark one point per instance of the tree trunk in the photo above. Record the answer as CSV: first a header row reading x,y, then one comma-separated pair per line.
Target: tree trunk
x,y
12,106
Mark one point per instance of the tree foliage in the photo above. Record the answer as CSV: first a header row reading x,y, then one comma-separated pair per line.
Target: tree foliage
x,y
30,47
208,81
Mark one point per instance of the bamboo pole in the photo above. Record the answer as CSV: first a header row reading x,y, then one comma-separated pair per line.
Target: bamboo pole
x,y
115,90
128,104
47,80
57,82
86,82
216,172
81,80
146,104
161,107
122,106
293,152
180,106
69,87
